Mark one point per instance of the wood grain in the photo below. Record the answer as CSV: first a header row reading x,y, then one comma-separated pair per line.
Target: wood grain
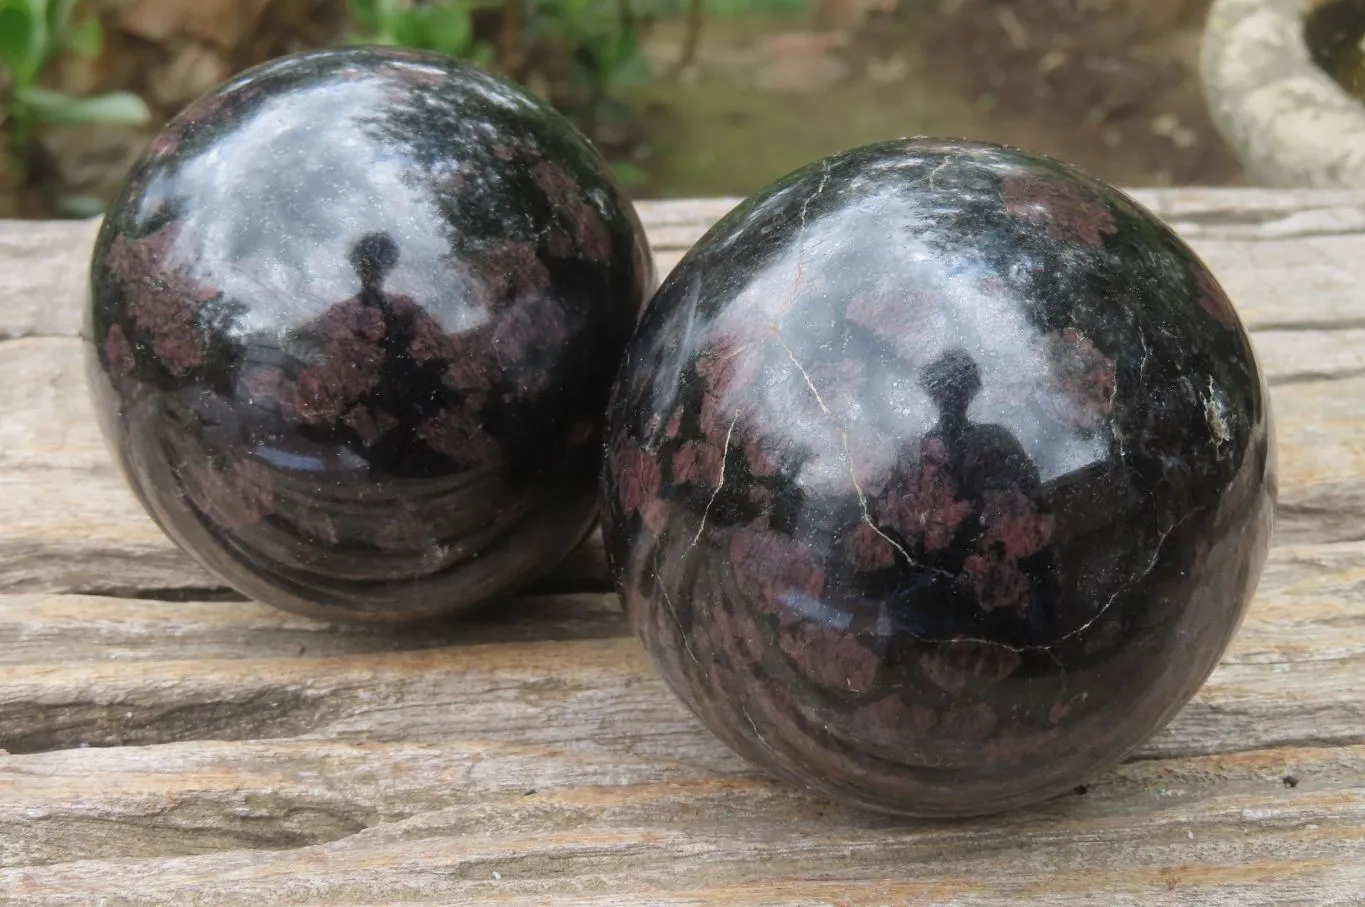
x,y
170,743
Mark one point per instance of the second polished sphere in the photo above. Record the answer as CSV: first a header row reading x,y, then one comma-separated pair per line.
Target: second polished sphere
x,y
940,477
354,322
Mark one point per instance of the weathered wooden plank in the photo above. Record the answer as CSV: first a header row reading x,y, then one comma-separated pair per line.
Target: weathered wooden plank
x,y
1215,826
1291,677
1297,356
43,276
596,694
278,795
35,628
1321,439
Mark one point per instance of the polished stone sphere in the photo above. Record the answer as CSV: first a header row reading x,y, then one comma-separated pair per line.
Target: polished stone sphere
x,y
940,476
353,326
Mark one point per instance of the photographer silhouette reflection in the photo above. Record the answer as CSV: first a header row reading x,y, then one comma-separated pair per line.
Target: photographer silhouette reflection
x,y
376,367
994,576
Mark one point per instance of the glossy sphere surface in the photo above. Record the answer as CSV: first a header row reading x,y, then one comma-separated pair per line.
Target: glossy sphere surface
x,y
354,323
940,477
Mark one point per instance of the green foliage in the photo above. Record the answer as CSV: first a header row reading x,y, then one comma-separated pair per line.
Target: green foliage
x,y
582,55
446,28
32,32
600,40
734,9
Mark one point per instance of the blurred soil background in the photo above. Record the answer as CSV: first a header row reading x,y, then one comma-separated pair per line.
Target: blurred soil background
x,y
687,97
1109,85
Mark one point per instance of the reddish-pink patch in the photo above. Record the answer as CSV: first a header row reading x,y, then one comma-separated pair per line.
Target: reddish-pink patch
x,y
326,391
1083,380
208,108
162,300
472,365
920,501
956,665
594,239
566,195
269,384
529,330
460,436
137,261
654,515
1014,524
180,348
504,152
1202,550
969,722
699,462
370,425
559,187
351,325
1068,212
637,475
769,568
429,340
996,581
674,424
118,352
897,315
829,656
239,495
889,718
726,367
166,143
733,636
511,271
868,549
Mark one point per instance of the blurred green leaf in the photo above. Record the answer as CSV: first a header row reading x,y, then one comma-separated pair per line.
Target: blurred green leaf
x,y
482,54
449,29
119,108
80,205
378,20
372,15
628,174
59,15
23,38
583,54
86,38
364,15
